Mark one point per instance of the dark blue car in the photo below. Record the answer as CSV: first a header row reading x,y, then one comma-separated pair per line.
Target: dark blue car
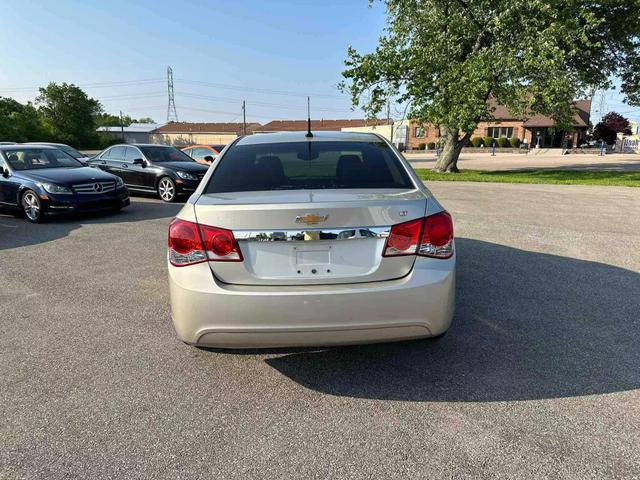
x,y
45,180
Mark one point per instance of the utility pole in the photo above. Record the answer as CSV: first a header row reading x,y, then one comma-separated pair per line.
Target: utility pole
x,y
172,114
244,118
389,121
121,126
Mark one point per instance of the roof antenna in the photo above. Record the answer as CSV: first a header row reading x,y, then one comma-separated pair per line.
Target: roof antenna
x,y
309,134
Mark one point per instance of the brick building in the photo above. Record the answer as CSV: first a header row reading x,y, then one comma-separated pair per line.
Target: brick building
x,y
537,129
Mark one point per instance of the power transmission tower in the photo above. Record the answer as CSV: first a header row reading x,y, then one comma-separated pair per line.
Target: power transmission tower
x,y
172,114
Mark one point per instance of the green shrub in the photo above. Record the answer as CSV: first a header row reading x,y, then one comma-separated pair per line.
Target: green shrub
x,y
488,142
477,142
515,142
431,145
503,142
422,146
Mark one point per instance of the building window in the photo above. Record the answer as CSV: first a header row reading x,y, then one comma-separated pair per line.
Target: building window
x,y
497,132
419,132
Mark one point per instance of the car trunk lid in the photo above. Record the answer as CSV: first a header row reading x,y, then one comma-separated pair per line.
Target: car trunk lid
x,y
302,237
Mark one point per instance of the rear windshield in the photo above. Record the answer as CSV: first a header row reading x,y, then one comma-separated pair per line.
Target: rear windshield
x,y
308,165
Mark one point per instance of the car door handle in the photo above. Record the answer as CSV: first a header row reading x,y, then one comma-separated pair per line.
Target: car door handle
x,y
124,165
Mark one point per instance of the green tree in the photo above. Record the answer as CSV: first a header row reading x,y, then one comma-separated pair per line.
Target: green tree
x,y
20,123
68,113
453,60
108,120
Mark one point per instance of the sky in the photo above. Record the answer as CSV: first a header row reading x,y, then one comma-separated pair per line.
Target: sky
x,y
271,53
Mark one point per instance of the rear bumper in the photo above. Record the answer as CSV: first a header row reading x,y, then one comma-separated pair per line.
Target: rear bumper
x,y
209,313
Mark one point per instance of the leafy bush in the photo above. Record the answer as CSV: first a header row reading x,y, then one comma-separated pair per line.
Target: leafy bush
x,y
431,145
422,146
477,142
503,142
488,142
515,142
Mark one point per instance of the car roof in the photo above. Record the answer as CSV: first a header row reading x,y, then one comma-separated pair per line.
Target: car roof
x,y
23,146
140,145
320,136
51,144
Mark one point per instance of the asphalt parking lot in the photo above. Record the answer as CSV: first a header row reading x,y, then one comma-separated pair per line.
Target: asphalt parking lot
x,y
538,377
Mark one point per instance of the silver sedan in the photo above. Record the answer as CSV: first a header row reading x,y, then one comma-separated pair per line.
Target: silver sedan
x,y
292,240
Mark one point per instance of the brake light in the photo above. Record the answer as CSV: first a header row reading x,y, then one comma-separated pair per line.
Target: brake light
x,y
437,236
220,244
431,236
190,243
403,239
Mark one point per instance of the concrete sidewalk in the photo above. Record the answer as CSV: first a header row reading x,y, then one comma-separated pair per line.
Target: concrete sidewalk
x,y
622,162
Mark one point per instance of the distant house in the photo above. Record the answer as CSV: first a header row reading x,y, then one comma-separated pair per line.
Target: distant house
x,y
186,133
134,133
537,129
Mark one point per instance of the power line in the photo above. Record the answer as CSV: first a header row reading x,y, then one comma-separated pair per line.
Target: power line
x,y
258,90
256,102
123,83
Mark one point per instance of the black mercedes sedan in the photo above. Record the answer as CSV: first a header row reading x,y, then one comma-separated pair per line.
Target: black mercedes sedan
x,y
160,169
40,180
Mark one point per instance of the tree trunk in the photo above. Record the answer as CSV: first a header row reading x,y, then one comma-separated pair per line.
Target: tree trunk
x,y
448,159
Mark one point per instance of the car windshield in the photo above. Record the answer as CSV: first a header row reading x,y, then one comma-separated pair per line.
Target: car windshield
x,y
71,151
165,154
308,165
36,159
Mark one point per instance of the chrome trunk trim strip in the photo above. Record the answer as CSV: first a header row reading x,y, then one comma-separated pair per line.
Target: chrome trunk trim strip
x,y
312,234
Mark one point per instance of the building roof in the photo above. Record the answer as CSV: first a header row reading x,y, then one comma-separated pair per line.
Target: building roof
x,y
301,136
188,127
316,125
581,119
133,128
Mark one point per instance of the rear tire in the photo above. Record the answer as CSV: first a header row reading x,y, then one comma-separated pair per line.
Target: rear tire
x,y
31,206
167,189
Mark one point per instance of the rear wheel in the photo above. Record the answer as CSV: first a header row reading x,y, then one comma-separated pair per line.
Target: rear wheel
x,y
167,189
31,206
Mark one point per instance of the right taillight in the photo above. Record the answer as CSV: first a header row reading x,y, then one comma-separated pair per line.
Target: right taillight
x,y
437,236
190,243
431,236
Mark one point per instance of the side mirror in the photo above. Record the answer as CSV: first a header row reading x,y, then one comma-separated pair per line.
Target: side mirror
x,y
5,172
210,158
139,161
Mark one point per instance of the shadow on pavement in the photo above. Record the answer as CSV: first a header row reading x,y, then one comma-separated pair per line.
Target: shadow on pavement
x,y
527,326
18,232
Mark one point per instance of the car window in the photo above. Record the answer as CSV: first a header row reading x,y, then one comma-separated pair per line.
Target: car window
x,y
200,153
218,148
131,153
165,154
308,165
116,153
34,158
188,151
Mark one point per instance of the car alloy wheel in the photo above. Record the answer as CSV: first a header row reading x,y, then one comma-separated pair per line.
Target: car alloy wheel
x,y
167,189
31,206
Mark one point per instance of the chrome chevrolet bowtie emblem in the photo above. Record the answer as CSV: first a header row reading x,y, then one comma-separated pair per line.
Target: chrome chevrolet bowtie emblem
x,y
97,187
311,218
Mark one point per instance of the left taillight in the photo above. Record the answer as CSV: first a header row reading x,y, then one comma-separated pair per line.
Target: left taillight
x,y
190,243
431,236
